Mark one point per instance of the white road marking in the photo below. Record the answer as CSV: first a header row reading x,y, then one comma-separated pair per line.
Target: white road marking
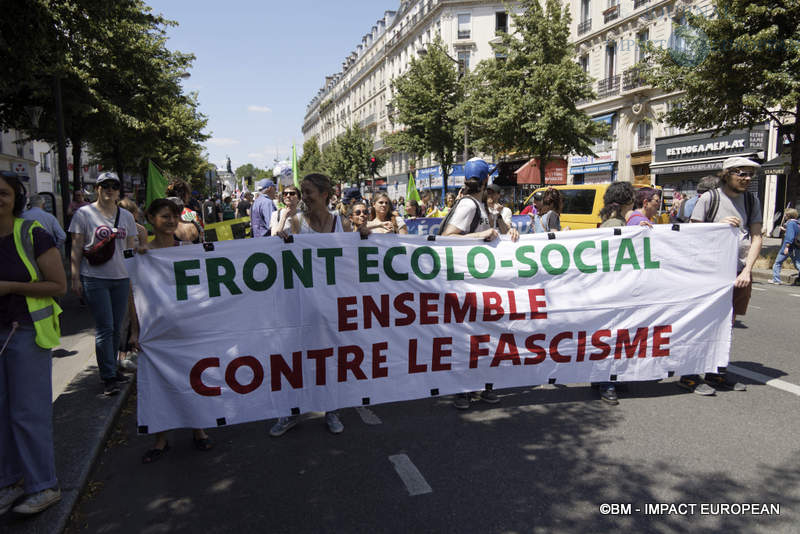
x,y
758,289
794,294
764,379
757,307
368,416
410,475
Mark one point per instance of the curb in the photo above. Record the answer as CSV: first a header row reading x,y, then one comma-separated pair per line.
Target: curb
x,y
765,275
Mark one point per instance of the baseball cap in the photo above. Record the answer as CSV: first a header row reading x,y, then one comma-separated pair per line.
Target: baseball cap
x,y
476,168
494,187
350,194
106,176
266,183
738,161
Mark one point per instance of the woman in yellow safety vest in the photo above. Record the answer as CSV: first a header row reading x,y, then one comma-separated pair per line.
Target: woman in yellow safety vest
x,y
31,274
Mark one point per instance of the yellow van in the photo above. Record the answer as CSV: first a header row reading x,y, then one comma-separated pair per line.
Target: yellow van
x,y
582,204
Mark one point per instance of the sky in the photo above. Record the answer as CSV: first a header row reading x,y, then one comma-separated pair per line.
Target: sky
x,y
259,63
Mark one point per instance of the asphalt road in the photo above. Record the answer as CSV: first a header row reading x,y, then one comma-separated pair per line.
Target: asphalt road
x,y
543,460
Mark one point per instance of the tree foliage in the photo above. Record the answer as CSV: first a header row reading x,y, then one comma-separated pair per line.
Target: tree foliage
x,y
424,105
311,159
523,100
744,69
248,169
349,157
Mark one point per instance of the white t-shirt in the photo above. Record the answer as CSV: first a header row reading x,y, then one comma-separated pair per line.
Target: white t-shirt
x,y
464,213
275,217
731,207
503,213
89,222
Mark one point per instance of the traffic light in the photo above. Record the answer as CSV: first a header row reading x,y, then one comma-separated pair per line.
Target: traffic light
x,y
373,166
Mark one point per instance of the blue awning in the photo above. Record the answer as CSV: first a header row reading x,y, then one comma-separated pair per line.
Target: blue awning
x,y
604,118
586,169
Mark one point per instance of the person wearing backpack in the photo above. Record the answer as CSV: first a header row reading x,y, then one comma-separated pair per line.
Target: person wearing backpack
x,y
790,247
733,204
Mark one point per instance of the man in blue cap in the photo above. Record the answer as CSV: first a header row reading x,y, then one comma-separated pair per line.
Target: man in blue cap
x,y
262,209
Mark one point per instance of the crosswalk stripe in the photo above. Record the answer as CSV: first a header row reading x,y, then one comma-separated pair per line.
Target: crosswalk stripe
x,y
410,475
368,416
764,379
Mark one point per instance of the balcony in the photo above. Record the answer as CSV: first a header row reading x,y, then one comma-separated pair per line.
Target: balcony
x,y
608,87
639,3
633,78
371,119
464,34
584,26
611,13
378,144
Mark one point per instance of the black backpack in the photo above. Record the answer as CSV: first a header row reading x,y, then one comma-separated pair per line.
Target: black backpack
x,y
476,219
713,206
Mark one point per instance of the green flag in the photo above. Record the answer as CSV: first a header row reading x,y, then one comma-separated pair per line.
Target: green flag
x,y
156,184
295,170
411,190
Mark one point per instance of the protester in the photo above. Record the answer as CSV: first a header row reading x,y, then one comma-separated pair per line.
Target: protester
x,y
210,212
243,208
496,210
316,219
100,233
179,188
228,213
789,246
469,218
551,210
706,184
401,207
731,203
141,231
536,205
163,215
263,206
48,222
646,206
385,221
127,353
291,199
358,216
188,230
28,283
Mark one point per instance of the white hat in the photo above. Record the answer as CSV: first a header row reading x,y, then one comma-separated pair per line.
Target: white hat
x,y
738,161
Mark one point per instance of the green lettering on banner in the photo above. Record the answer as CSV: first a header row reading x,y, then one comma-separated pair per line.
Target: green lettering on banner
x,y
561,249
183,280
451,270
217,278
648,261
365,263
525,260
582,267
387,263
259,258
415,257
626,255
330,255
291,265
604,256
473,252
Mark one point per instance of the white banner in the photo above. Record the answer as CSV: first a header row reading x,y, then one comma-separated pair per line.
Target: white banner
x,y
260,328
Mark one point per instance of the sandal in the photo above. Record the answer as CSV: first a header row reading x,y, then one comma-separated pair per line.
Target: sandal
x,y
203,444
153,455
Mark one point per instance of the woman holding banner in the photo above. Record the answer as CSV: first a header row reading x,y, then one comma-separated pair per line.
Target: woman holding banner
x,y
385,221
358,215
291,199
163,215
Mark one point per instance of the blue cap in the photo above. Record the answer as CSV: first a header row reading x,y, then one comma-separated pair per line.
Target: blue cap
x,y
266,183
476,168
351,194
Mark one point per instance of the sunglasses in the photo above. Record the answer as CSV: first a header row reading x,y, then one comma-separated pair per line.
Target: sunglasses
x,y
110,185
290,193
359,212
743,173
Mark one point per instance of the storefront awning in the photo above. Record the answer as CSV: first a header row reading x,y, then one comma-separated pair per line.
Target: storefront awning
x,y
691,165
604,118
780,165
597,167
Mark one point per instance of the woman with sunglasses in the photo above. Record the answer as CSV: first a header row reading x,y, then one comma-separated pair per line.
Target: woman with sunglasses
x,y
291,199
105,285
385,220
358,215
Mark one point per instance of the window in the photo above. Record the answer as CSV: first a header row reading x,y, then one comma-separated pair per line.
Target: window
x,y
611,59
642,39
644,131
583,61
586,10
578,201
464,26
45,160
20,148
500,22
463,61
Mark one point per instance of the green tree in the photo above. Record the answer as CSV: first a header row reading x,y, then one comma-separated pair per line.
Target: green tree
x,y
311,159
523,100
740,67
349,158
425,102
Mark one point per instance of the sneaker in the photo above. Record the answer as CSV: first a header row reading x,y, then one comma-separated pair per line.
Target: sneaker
x,y
120,378
283,425
777,283
111,388
33,504
695,384
127,364
333,422
722,382
461,401
8,495
489,396
609,394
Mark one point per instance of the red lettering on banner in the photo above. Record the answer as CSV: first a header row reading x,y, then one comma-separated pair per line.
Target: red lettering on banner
x,y
530,344
413,366
605,348
320,355
506,350
535,303
554,354
475,349
659,340
624,343
244,361
196,378
354,365
399,305
372,309
378,358
452,308
439,352
345,313
581,346
293,374
512,308
492,302
428,304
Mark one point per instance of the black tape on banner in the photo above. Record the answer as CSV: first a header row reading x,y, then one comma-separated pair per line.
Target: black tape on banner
x,y
295,411
670,374
617,231
722,370
288,239
434,392
551,235
612,378
127,253
365,401
208,247
364,237
221,421
488,386
431,238
142,429
676,227
551,381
